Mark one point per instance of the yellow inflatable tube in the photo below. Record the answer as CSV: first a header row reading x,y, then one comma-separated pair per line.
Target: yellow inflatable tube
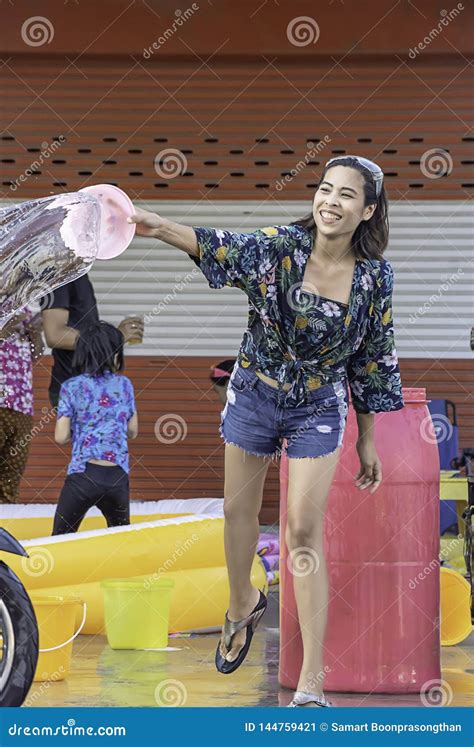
x,y
25,529
187,548
135,550
32,520
199,598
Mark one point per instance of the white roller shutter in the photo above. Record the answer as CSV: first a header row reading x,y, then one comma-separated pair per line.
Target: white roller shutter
x,y
430,250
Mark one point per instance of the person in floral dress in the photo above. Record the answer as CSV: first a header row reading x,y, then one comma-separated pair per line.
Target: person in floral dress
x,y
20,344
320,325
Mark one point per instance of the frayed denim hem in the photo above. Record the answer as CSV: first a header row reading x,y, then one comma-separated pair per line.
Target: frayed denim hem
x,y
274,456
320,456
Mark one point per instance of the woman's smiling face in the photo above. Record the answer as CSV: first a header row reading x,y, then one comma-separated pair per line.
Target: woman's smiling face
x,y
338,205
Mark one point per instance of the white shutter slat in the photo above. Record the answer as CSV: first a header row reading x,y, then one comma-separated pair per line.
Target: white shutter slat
x,y
430,241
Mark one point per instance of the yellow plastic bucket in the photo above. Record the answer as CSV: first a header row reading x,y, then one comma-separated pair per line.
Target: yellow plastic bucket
x,y
56,617
136,612
455,607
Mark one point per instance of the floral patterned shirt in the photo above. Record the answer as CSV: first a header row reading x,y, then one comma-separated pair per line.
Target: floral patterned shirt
x,y
100,408
284,339
16,370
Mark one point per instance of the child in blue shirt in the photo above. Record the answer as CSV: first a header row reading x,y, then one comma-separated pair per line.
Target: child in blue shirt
x,y
96,411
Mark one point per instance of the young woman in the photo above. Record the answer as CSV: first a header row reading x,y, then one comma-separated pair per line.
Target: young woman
x,y
96,410
320,321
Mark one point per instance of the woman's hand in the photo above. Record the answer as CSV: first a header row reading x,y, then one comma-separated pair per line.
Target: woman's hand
x,y
147,222
370,472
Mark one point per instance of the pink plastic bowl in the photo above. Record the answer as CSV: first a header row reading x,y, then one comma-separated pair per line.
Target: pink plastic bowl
x,y
115,207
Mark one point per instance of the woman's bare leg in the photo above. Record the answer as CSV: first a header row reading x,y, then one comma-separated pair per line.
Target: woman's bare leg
x,y
309,481
243,491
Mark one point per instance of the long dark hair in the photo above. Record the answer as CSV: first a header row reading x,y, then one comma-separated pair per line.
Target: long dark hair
x,y
370,238
98,349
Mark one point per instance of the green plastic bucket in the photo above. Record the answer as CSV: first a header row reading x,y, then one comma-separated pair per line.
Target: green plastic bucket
x,y
136,612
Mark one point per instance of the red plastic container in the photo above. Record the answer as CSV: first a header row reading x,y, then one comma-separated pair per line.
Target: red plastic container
x,y
382,632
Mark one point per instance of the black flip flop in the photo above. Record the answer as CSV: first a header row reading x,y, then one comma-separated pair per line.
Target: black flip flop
x,y
231,627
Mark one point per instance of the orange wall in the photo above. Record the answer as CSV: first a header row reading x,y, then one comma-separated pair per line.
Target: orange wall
x,y
235,130
247,27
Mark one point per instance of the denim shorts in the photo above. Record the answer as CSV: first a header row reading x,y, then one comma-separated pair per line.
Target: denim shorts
x,y
257,418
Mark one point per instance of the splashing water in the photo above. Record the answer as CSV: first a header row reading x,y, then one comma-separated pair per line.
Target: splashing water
x,y
44,244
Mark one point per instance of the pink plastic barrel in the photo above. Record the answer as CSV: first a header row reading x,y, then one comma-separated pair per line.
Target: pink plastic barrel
x,y
382,632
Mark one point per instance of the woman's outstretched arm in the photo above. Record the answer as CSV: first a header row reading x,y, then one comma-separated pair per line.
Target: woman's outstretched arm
x,y
155,226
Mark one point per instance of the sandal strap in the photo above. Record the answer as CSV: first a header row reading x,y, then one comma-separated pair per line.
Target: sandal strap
x,y
302,698
231,627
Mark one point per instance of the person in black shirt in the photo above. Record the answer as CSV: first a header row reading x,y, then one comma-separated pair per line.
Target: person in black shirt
x,y
66,311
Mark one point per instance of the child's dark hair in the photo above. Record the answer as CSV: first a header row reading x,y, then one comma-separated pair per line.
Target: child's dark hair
x,y
98,349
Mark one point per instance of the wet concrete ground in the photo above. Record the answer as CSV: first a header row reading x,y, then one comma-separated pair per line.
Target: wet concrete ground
x,y
100,676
